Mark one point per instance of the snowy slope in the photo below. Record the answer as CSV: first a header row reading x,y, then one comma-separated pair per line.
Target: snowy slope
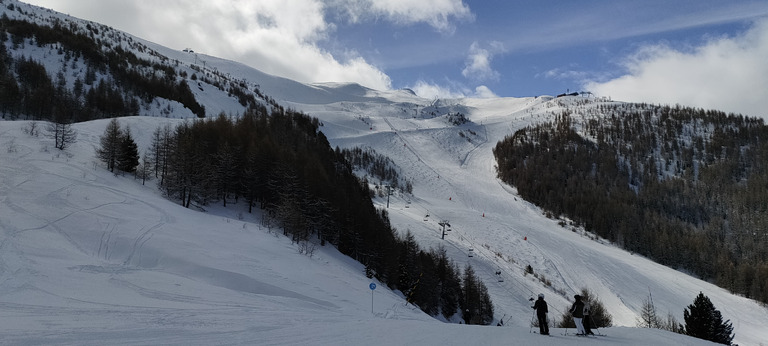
x,y
89,258
454,180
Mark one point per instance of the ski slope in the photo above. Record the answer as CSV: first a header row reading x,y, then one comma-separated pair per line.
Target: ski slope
x,y
89,258
455,180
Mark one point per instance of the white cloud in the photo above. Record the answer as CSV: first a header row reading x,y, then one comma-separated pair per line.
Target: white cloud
x,y
478,64
454,90
569,74
726,73
436,13
275,36
484,92
434,91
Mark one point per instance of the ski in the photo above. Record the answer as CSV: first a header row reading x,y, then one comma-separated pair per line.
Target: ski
x,y
587,335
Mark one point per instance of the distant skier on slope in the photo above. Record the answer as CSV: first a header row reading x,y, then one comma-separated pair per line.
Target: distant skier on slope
x,y
541,312
577,310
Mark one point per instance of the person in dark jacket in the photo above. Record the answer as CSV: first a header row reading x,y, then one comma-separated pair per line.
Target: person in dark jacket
x,y
577,310
541,312
587,322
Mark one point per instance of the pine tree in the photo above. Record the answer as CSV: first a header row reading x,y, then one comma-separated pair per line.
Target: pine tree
x,y
672,325
144,170
160,151
470,304
476,304
703,321
450,284
486,306
62,133
110,143
648,317
127,153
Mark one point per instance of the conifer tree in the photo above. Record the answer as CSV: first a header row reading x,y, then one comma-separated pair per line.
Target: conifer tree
x,y
128,153
62,133
470,303
110,143
476,306
648,317
703,321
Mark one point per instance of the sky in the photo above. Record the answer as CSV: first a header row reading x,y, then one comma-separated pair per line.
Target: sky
x,y
702,53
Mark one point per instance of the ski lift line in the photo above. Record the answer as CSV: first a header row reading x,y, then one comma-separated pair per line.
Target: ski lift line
x,y
562,277
532,243
512,289
514,283
453,242
428,166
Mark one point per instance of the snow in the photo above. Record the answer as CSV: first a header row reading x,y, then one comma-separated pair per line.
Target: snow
x,y
89,258
454,180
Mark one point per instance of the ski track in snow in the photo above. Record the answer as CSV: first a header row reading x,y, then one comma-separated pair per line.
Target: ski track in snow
x,y
568,259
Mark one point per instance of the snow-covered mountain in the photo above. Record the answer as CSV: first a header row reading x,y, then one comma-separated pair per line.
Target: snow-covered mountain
x,y
91,258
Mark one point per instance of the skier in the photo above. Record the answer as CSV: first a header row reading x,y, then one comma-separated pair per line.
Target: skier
x,y
541,312
587,319
577,310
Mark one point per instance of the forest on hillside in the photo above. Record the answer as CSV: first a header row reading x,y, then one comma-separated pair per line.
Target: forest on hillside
x,y
268,157
685,187
110,81
280,162
99,73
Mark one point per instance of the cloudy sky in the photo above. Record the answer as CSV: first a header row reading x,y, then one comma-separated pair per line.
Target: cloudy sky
x,y
703,53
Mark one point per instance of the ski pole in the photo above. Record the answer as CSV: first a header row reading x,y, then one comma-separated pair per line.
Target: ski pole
x,y
533,317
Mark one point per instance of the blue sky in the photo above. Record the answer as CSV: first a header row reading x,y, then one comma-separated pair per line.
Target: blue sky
x,y
702,53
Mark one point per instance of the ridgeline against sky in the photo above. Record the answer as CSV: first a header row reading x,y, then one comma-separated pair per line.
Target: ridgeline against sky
x,y
707,54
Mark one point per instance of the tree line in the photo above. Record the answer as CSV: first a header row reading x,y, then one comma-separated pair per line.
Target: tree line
x,y
377,166
685,187
110,80
113,83
279,161
702,320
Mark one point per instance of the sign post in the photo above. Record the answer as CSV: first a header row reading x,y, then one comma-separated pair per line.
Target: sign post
x,y
372,286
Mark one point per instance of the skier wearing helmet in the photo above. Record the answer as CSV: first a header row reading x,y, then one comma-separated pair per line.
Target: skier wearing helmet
x,y
541,312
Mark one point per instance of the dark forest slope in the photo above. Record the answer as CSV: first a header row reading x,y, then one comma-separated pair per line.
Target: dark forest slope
x,y
686,187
